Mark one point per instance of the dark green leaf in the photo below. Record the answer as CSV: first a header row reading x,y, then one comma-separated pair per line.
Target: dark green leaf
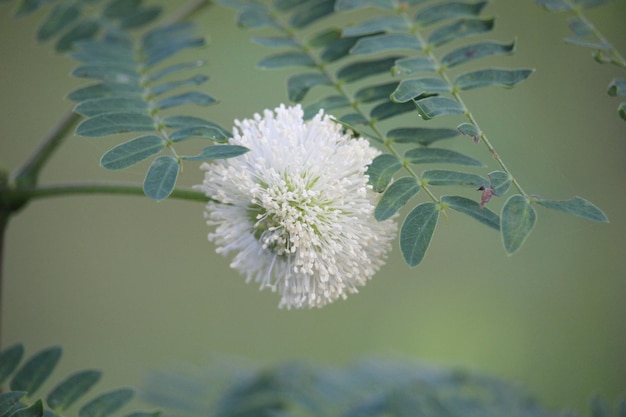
x,y
275,41
9,402
410,88
431,107
310,12
408,66
390,109
105,90
576,206
420,135
500,182
35,410
462,28
617,87
26,7
86,29
446,177
254,16
439,156
111,123
325,37
72,388
382,170
286,59
95,106
109,73
361,69
191,97
473,209
177,122
140,18
375,92
327,104
110,402
129,153
378,24
36,370
286,5
300,84
474,51
218,152
353,119
621,110
599,408
117,9
517,221
338,49
417,232
213,132
9,360
345,5
386,42
491,76
60,17
448,10
395,197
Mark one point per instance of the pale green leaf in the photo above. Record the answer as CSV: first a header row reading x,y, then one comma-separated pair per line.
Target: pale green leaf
x,y
440,156
101,52
491,76
327,104
386,42
286,59
60,17
448,10
378,24
105,90
255,16
155,76
10,402
361,69
36,370
140,17
338,49
167,87
86,29
9,360
158,185
382,170
621,110
500,182
375,92
191,97
110,402
178,122
310,12
469,129
603,46
591,3
116,9
410,88
213,132
132,152
111,123
159,53
408,66
554,5
446,177
420,135
475,51
218,152
390,109
286,5
617,87
395,197
72,388
417,232
473,209
579,28
94,106
325,37
576,206
462,28
517,221
299,85
35,410
431,107
275,41
353,119
345,5
111,72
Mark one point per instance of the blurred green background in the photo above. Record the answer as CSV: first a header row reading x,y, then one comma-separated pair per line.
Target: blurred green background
x,y
129,285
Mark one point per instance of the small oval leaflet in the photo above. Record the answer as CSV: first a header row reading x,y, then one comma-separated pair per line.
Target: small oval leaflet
x,y
420,135
300,84
492,76
475,51
129,153
411,88
36,370
473,209
431,107
218,152
517,221
500,182
386,42
107,403
111,123
447,177
417,232
286,59
576,206
395,197
440,156
72,388
448,10
459,29
161,178
381,170
469,129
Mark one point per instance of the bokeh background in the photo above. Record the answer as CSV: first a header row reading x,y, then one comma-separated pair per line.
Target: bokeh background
x,y
129,285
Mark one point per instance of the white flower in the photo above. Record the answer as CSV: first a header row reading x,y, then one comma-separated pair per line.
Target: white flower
x,y
297,210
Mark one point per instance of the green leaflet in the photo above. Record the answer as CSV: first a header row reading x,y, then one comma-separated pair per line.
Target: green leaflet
x,y
327,104
475,51
10,402
35,410
448,10
382,170
168,86
176,122
131,152
275,41
36,370
100,105
473,209
310,12
106,404
9,360
111,123
417,231
390,109
190,97
72,388
617,87
431,107
140,17
345,5
210,131
218,152
378,24
576,206
420,135
386,42
375,92
105,89
61,16
286,59
469,129
518,218
254,16
447,177
338,49
491,76
82,31
411,88
109,72
408,66
440,156
155,76
500,182
362,69
462,28
395,197
299,85
621,110
160,181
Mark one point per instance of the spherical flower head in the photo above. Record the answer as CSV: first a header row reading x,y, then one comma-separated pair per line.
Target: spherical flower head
x,y
296,210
